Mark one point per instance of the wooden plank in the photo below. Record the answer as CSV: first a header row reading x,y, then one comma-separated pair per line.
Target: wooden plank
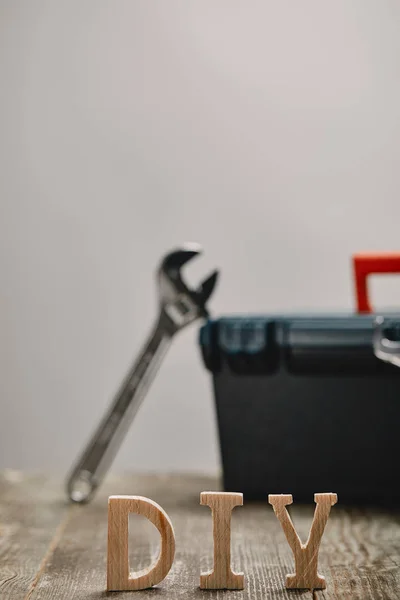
x,y
78,566
363,556
51,550
31,511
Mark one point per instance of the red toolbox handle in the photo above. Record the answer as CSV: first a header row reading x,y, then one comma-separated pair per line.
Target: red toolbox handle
x,y
366,263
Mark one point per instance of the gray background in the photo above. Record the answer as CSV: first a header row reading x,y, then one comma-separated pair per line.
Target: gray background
x,y
266,131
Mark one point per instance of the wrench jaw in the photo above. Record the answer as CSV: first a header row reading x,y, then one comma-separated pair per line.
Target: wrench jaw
x,y
180,305
206,287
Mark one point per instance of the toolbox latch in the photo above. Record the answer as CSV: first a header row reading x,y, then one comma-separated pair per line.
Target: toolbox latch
x,y
385,348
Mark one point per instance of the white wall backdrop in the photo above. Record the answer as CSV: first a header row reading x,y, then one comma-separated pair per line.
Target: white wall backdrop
x,y
266,131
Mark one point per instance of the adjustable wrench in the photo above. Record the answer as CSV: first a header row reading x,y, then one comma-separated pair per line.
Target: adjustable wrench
x,y
179,306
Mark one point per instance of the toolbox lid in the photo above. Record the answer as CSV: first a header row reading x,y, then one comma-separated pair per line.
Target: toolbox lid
x,y
300,344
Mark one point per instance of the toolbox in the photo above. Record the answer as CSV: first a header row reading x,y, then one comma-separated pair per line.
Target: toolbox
x,y
305,404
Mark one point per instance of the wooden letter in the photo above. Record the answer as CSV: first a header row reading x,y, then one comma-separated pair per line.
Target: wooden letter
x,y
118,578
221,577
305,555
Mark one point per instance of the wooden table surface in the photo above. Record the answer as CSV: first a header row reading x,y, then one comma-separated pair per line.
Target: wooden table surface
x,y
52,549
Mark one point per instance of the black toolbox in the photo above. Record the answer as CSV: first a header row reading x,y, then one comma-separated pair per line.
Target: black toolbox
x,y
303,403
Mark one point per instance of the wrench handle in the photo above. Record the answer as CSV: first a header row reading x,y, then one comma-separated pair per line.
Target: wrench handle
x,y
104,443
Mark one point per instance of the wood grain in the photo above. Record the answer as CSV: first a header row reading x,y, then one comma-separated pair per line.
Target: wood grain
x,y
305,555
221,577
78,566
32,515
64,549
360,554
118,576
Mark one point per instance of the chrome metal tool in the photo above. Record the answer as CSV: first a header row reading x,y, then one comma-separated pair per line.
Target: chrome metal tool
x,y
385,349
178,307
